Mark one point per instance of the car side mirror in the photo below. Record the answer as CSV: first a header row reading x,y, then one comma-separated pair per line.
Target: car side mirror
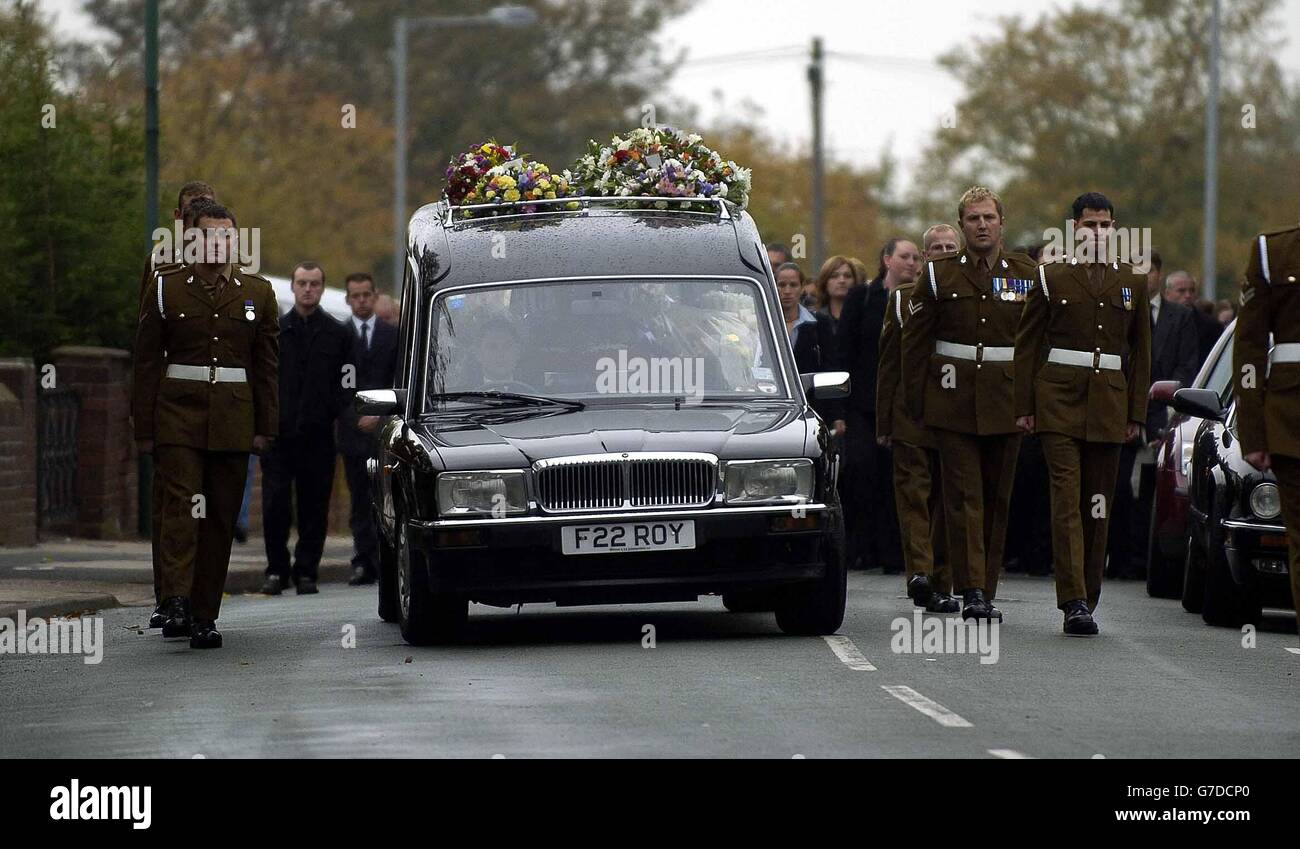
x,y
1162,391
826,385
379,402
1199,403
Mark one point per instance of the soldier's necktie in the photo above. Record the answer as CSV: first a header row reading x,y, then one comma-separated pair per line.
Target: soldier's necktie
x,y
365,336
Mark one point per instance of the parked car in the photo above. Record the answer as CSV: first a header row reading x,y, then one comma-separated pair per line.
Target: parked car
x,y
1236,560
1167,541
600,405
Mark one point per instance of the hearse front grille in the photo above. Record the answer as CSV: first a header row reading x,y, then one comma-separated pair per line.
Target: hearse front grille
x,y
620,481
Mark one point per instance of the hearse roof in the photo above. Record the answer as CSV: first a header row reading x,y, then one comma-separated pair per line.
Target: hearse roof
x,y
593,240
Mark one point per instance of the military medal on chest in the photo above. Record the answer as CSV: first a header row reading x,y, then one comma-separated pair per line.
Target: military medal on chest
x,y
249,313
1127,295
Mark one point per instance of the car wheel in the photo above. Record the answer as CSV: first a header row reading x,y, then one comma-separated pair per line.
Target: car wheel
x,y
425,618
1227,603
817,608
1164,576
388,605
1193,576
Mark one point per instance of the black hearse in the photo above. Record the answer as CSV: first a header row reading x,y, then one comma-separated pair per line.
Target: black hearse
x,y
597,403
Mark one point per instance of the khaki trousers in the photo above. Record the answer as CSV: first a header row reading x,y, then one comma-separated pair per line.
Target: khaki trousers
x,y
195,533
1081,476
978,473
918,492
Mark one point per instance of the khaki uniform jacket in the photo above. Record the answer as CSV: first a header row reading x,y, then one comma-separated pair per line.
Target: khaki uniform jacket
x,y
953,303
892,419
180,323
1268,401
1067,311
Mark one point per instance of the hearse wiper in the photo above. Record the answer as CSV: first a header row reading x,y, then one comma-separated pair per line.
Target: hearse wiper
x,y
511,396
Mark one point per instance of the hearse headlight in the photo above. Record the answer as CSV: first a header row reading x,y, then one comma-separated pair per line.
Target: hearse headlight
x,y
1265,502
769,481
496,494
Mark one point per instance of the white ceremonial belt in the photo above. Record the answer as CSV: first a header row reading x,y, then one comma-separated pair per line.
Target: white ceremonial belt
x,y
1086,359
1285,352
977,353
212,374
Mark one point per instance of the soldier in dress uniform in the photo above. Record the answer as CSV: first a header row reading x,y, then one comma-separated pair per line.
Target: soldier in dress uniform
x,y
205,394
1083,366
190,192
917,488
1268,386
958,372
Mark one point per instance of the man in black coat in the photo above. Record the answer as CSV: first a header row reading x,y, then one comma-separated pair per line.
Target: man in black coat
x,y
872,521
315,373
1174,356
374,353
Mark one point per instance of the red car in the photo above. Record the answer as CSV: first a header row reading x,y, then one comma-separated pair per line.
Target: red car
x,y
1167,545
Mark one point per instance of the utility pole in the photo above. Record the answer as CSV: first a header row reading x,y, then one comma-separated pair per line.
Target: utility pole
x,y
815,79
1208,265
400,31
144,462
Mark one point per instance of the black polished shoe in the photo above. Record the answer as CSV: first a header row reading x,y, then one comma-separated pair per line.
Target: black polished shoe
x,y
204,635
158,617
361,576
1078,621
919,589
274,585
943,603
307,586
975,606
176,617
241,535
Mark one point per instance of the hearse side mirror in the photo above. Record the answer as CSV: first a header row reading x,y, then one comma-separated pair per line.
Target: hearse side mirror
x,y
826,385
379,402
1200,403
1162,391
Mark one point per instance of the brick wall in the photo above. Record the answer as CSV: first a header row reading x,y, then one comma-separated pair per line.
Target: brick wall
x,y
17,452
106,458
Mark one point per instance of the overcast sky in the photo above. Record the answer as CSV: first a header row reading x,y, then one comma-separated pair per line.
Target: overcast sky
x,y
888,94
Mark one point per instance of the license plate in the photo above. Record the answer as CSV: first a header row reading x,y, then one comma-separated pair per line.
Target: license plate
x,y
628,536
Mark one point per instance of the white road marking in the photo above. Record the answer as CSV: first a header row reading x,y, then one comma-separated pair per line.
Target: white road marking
x,y
929,707
848,653
1293,651
1009,755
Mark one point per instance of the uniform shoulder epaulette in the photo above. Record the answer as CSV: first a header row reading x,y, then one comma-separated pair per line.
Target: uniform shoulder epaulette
x,y
1283,231
168,267
1021,258
251,275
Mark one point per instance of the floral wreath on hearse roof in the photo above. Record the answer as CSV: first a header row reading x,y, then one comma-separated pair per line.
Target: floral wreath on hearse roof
x,y
492,173
661,162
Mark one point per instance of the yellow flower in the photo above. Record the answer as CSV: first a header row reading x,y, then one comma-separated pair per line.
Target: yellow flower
x,y
505,181
543,184
511,195
489,194
487,148
550,195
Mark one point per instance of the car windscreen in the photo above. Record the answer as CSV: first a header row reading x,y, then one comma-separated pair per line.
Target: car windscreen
x,y
588,340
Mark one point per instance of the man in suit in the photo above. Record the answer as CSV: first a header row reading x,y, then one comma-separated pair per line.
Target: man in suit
x,y
315,370
374,353
1174,356
1181,288
870,464
204,396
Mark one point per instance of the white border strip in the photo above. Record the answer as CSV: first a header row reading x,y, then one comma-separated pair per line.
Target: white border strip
x,y
848,653
929,707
